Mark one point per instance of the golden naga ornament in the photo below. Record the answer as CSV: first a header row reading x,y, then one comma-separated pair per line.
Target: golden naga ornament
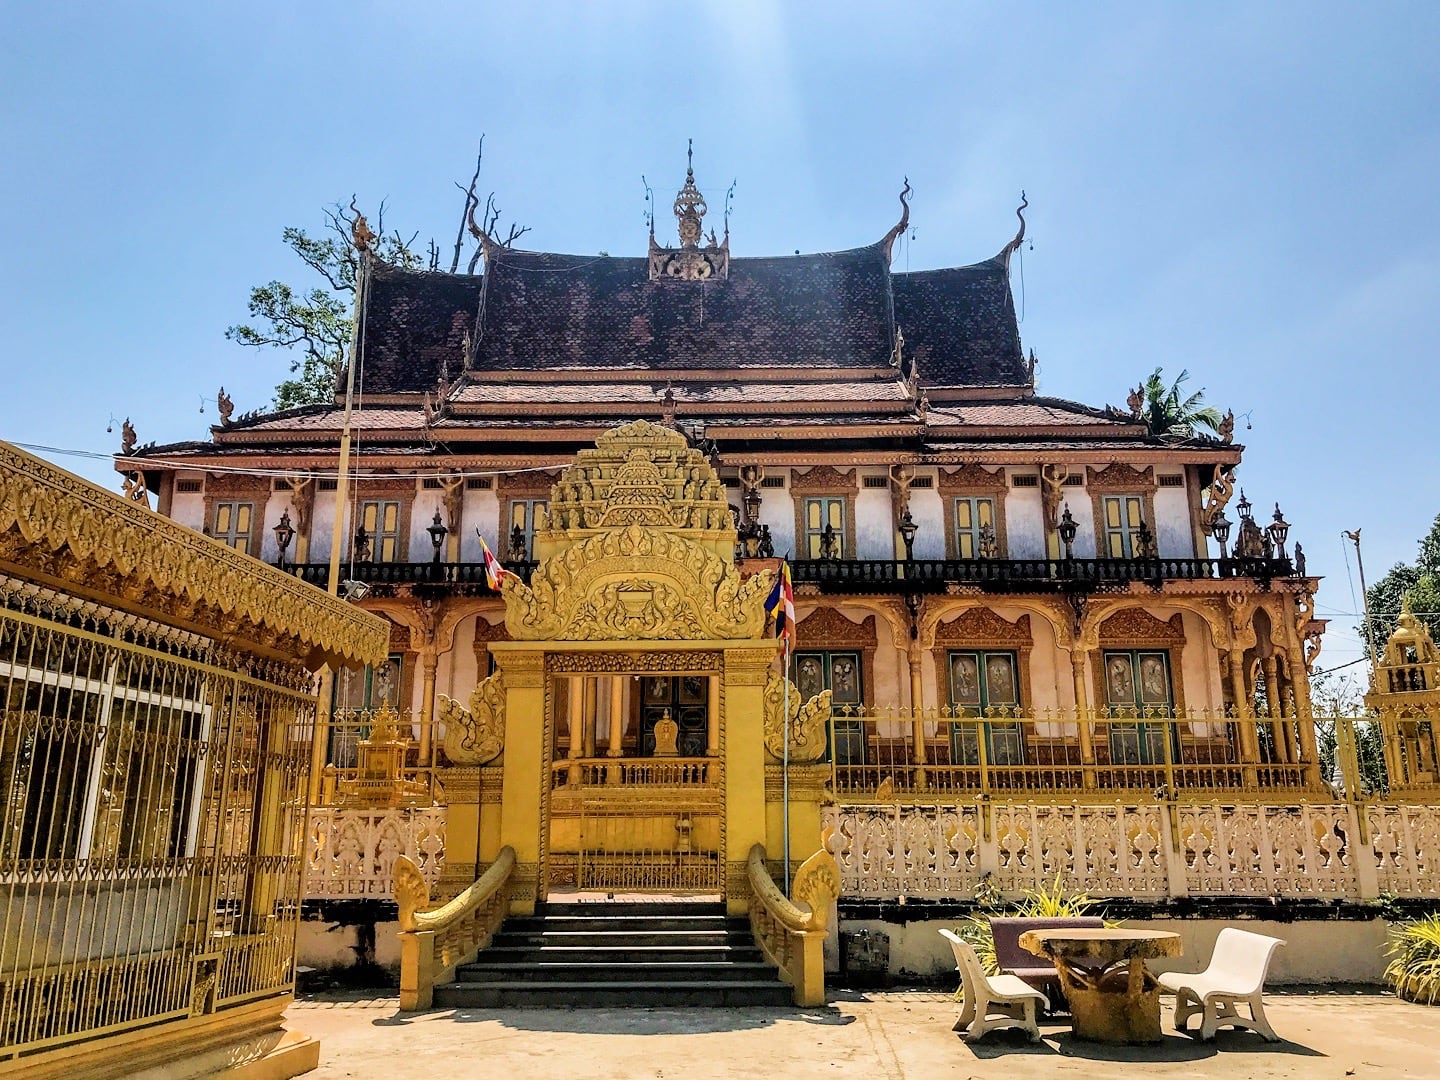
x,y
475,736
809,721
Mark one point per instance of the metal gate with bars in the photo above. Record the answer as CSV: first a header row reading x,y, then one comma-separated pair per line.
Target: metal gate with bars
x,y
651,848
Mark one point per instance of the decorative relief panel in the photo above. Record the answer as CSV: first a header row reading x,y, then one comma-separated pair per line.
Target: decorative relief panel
x,y
896,851
1406,843
824,480
350,854
1136,626
1268,850
636,582
809,721
632,662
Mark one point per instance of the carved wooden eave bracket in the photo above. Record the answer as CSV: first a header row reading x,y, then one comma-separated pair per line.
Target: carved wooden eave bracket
x,y
61,529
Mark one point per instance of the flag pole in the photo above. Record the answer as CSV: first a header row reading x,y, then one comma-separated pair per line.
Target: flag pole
x,y
785,763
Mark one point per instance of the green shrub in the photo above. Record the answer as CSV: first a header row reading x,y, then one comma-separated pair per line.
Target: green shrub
x,y
1048,902
1414,971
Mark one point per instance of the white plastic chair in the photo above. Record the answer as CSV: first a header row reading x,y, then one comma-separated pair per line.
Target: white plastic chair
x,y
1236,973
992,1003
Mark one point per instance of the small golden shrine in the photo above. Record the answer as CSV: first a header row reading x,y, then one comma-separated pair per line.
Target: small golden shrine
x,y
1405,689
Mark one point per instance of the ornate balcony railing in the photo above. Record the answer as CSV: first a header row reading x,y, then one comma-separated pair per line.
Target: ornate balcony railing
x,y
463,578
1023,575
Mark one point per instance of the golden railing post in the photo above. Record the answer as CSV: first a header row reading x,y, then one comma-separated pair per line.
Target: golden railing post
x,y
590,714
1082,719
617,716
982,755
1244,717
712,731
417,970
320,738
917,751
429,661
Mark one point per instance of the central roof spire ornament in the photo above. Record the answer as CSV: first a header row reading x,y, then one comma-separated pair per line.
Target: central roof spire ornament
x,y
690,262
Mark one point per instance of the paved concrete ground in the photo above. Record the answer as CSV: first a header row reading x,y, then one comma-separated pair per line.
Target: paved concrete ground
x,y
878,1036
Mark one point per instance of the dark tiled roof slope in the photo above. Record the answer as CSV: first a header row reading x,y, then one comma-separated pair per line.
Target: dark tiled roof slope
x,y
543,311
959,325
416,321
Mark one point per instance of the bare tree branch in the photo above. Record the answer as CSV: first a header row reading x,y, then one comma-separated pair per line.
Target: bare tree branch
x,y
470,200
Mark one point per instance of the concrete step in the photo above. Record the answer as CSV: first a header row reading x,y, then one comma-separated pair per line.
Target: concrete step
x,y
578,955
621,953
604,971
585,994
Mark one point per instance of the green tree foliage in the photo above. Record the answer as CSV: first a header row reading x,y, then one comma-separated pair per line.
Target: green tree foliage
x,y
316,322
1419,583
1167,410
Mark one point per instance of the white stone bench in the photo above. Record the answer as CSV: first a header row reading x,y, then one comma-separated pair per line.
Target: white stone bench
x,y
992,1003
1236,973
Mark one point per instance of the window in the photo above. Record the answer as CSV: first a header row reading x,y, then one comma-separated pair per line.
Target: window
x,y
233,524
381,519
1137,689
523,513
972,515
1124,517
840,673
979,683
821,512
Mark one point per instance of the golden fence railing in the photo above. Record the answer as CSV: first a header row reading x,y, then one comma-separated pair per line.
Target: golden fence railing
x,y
935,752
152,807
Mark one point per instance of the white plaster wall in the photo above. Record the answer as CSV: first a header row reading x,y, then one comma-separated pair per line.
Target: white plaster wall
x,y
1024,522
267,510
188,508
1316,951
777,510
482,510
322,526
874,528
1082,509
1173,535
1201,663
326,947
927,509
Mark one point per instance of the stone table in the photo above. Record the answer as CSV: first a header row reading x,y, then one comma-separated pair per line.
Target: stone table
x,y
1113,999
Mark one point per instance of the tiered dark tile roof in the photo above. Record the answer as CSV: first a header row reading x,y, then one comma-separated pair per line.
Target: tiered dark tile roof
x,y
549,312
959,325
415,323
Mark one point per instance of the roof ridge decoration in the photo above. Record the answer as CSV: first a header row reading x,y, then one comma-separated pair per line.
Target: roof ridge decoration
x,y
900,226
1014,245
690,262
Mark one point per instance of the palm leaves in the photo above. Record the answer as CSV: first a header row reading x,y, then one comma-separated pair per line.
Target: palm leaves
x,y
1166,411
1415,970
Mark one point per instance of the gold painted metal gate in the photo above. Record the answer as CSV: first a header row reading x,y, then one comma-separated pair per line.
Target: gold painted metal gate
x,y
662,846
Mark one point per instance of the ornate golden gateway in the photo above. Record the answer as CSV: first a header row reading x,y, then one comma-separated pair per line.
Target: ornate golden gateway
x,y
639,545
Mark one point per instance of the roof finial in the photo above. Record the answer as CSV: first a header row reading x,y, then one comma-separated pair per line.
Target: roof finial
x,y
689,157
902,224
1014,245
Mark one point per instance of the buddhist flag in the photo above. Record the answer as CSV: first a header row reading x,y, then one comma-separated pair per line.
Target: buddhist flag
x,y
494,572
781,604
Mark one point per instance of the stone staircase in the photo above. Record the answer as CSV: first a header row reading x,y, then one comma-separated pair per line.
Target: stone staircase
x,y
606,955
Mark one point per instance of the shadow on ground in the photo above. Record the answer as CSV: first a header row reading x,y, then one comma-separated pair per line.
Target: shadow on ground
x,y
629,1021
1171,1047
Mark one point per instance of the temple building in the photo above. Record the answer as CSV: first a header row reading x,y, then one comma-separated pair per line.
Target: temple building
x,y
998,594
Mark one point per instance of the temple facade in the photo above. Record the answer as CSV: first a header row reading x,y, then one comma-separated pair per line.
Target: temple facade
x,y
958,542
1030,643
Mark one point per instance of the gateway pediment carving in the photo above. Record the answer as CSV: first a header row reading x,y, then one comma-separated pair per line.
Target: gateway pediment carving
x,y
636,582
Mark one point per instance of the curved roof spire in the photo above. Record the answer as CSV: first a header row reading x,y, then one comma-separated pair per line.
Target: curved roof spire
x,y
1010,248
902,224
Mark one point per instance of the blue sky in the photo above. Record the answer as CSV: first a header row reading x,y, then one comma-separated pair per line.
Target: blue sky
x,y
1246,191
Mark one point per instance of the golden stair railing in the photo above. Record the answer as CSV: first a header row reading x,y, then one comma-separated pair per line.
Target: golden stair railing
x,y
792,935
433,943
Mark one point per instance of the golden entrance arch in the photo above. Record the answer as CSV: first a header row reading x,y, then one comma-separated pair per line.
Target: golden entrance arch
x,y
626,739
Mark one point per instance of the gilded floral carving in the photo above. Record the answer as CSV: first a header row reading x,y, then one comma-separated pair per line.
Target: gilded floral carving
x,y
59,525
636,582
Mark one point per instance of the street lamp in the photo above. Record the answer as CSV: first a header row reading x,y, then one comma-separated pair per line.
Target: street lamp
x,y
283,535
1243,507
1279,529
1220,527
437,532
1067,529
908,529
